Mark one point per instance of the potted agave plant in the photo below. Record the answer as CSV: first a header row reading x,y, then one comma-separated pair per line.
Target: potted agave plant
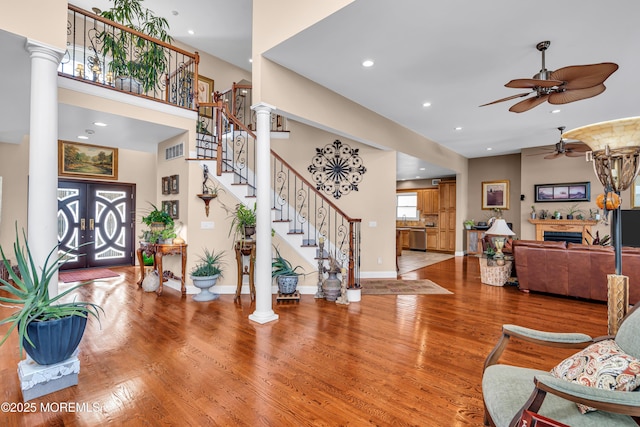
x,y
48,330
206,273
285,274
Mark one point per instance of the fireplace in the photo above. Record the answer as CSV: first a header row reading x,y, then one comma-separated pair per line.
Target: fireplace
x,y
563,236
580,227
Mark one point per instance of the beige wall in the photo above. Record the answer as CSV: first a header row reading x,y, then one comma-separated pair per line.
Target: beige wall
x,y
43,21
498,168
373,202
14,169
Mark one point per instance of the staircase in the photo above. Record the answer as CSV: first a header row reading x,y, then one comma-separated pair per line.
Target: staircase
x,y
300,213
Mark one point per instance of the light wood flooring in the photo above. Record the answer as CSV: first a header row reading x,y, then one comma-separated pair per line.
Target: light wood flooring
x,y
387,360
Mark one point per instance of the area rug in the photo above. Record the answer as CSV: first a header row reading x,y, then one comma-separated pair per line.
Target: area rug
x,y
85,275
401,287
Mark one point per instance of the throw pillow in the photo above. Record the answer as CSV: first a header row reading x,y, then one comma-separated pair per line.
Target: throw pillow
x,y
602,365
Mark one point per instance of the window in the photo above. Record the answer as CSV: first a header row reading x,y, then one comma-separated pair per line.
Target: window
x,y
407,206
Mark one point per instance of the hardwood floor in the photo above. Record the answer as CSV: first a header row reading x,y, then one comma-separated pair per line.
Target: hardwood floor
x,y
387,360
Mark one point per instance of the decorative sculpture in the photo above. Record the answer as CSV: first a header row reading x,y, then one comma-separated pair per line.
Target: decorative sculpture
x,y
337,169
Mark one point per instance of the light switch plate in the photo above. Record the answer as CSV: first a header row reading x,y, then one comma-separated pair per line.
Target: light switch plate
x,y
207,225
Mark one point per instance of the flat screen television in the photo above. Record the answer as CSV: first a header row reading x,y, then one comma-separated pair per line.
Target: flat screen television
x,y
630,222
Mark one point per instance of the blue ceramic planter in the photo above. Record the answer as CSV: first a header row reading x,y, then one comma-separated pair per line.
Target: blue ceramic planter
x,y
54,340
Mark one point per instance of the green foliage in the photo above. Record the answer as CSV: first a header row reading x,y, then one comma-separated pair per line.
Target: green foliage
x,y
282,267
30,289
156,215
242,216
210,264
131,55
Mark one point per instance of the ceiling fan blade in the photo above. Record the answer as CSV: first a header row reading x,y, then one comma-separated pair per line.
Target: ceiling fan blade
x,y
573,153
577,147
520,95
528,104
532,83
575,95
553,156
584,76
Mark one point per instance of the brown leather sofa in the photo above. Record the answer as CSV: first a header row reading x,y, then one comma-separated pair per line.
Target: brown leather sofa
x,y
573,269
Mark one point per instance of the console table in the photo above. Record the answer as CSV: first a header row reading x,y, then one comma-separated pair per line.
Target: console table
x,y
158,252
582,226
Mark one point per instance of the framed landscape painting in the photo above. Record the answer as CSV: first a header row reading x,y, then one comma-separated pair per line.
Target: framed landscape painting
x,y
570,192
87,161
495,194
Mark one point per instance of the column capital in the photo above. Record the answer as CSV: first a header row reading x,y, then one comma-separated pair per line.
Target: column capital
x,y
263,107
45,51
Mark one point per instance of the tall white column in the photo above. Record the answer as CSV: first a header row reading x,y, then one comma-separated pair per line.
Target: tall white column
x,y
43,154
264,300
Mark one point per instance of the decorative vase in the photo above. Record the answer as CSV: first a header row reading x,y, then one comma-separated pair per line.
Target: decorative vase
x,y
54,340
287,284
331,286
354,294
249,230
204,283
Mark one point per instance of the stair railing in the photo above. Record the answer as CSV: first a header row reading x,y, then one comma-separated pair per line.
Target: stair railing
x,y
294,200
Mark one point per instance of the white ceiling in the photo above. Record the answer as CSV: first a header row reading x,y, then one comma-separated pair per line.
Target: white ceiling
x,y
456,54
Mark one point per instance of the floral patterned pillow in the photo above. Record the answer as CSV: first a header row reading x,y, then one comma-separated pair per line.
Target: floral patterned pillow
x,y
602,365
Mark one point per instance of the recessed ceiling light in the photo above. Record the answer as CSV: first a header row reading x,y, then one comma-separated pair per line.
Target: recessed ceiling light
x,y
367,63
426,104
83,137
175,12
422,169
489,148
555,111
459,128
418,177
191,32
99,124
250,59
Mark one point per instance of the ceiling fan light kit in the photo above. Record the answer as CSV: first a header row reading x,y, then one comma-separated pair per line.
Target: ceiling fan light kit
x,y
565,85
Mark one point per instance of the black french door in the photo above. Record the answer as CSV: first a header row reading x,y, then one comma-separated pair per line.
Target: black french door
x,y
95,223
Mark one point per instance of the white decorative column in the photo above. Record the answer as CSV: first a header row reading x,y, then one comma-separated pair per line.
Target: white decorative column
x,y
264,300
43,154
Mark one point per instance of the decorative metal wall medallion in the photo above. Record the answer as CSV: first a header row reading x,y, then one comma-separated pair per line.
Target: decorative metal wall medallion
x,y
337,169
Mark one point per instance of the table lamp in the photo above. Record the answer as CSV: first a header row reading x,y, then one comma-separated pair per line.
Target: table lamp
x,y
500,230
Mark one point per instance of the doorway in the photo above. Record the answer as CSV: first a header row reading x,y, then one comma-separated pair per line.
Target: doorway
x,y
95,223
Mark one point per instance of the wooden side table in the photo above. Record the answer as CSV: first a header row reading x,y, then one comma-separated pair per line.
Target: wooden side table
x,y
246,248
159,251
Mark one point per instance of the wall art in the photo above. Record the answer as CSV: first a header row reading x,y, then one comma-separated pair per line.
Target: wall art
x,y
337,169
87,161
569,192
495,194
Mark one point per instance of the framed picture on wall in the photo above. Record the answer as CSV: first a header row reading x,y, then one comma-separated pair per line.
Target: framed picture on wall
x,y
166,206
174,184
495,194
568,192
174,212
635,194
165,185
87,161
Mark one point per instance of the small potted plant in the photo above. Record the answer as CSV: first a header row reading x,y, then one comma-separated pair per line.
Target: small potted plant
x,y
205,274
533,211
285,274
161,226
243,223
572,211
48,330
468,224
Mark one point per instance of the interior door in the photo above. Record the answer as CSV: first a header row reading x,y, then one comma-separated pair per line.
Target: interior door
x,y
95,223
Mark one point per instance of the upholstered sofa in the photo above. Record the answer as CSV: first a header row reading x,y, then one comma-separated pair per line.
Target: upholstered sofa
x,y
573,269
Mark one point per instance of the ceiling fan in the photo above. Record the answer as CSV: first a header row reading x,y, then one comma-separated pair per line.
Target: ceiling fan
x,y
562,86
569,149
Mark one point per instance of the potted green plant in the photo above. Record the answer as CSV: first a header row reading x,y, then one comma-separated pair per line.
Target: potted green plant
x,y
135,59
161,226
468,224
572,211
285,274
48,330
243,222
205,274
533,211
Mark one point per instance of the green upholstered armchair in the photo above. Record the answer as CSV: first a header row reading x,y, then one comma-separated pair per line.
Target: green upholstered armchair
x,y
510,390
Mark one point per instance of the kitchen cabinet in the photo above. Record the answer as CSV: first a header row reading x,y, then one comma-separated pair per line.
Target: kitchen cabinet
x,y
447,216
428,201
432,239
404,238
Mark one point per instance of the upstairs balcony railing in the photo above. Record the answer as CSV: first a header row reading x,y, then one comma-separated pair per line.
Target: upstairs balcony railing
x,y
105,53
238,101
224,138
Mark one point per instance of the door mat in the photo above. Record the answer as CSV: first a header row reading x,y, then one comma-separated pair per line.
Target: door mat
x,y
85,275
401,287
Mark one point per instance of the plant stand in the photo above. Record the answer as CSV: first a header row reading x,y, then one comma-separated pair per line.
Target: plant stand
x,y
246,248
288,297
39,380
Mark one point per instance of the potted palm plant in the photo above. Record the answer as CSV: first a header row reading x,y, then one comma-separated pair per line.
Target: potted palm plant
x,y
285,274
205,274
135,60
48,330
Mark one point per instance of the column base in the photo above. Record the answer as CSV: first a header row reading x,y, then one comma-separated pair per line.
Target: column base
x,y
39,380
263,317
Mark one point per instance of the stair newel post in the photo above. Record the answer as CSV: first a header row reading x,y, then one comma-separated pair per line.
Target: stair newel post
x,y
218,130
264,303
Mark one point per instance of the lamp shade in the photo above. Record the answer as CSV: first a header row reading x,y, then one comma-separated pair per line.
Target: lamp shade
x,y
619,133
500,228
